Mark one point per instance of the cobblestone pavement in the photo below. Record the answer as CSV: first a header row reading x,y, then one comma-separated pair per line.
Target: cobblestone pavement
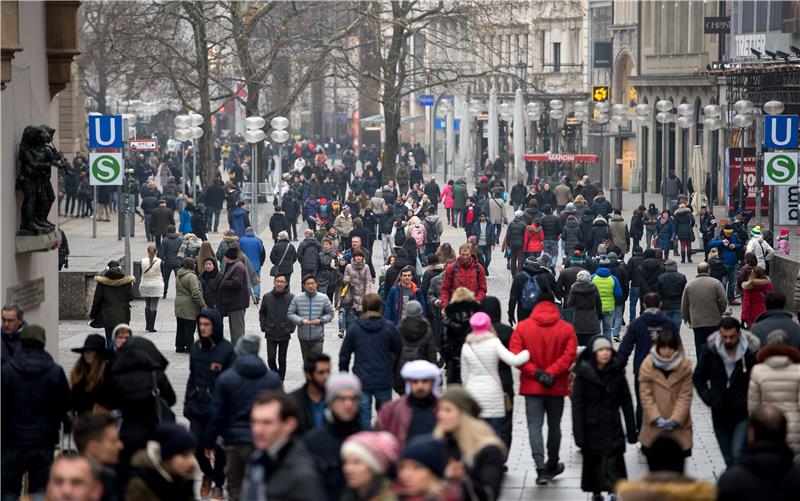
x,y
92,254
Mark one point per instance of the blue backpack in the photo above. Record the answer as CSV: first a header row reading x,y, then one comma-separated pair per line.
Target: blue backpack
x,y
530,292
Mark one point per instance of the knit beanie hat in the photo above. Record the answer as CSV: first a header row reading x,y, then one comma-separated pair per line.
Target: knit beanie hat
x,y
413,309
756,231
173,439
570,206
427,451
458,396
339,382
584,276
33,335
784,232
480,323
248,344
599,343
378,449
604,261
519,213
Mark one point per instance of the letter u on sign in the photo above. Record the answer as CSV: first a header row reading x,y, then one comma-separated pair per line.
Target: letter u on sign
x,y
780,131
105,131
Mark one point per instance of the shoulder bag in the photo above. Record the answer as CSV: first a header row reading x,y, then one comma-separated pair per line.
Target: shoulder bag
x,y
276,267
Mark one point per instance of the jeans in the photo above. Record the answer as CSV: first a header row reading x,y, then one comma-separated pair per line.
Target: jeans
x,y
386,241
608,324
365,404
633,298
148,227
639,410
517,260
731,434
676,317
16,462
235,467
346,316
307,347
486,250
536,406
213,221
616,325
551,248
236,324
449,216
110,337
649,237
496,424
197,425
279,348
457,216
256,289
701,338
730,279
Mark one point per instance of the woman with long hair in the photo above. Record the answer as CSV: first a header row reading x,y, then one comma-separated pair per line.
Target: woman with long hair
x,y
446,254
151,287
754,291
89,373
475,454
205,251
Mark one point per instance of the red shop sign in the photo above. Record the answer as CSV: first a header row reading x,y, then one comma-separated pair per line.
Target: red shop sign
x,y
560,157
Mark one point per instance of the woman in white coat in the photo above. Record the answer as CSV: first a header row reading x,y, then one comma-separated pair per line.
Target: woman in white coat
x,y
151,287
480,355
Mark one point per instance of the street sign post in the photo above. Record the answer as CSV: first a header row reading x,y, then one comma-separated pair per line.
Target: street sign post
x,y
780,131
106,169
105,131
780,168
426,100
143,144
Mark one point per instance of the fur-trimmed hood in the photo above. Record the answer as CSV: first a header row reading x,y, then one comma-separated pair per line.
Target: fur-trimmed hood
x,y
114,282
666,486
753,343
778,356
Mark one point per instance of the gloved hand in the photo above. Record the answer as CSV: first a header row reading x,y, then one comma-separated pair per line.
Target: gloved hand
x,y
670,425
544,378
661,423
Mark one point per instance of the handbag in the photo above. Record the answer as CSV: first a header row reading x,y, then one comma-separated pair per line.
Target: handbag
x,y
346,298
275,267
508,403
163,412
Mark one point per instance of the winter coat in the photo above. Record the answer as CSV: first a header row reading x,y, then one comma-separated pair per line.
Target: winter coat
x,y
551,227
775,380
670,286
305,307
224,245
308,254
208,359
375,344
293,476
648,273
112,299
235,390
149,481
703,302
472,276
359,279
489,232
601,206
571,236
285,263
11,345
210,281
641,334
240,220
772,320
185,225
729,256
447,196
753,296
637,225
188,295
665,234
530,268
459,194
784,246
480,355
168,251
619,232
418,344
684,223
620,271
35,399
515,234
324,273
325,444
273,315
190,246
152,281
253,248
563,195
761,248
726,396
343,225
534,239
552,345
597,397
393,306
584,300
608,287
455,327
433,229
199,225
598,234
765,471
668,397
234,293
161,218
497,211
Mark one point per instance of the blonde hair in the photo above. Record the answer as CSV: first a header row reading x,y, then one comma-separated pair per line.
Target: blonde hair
x,y
462,294
472,436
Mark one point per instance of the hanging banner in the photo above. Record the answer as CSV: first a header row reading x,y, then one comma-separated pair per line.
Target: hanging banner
x,y
734,158
787,203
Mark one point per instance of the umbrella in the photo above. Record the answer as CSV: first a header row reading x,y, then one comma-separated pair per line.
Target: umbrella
x,y
519,132
494,138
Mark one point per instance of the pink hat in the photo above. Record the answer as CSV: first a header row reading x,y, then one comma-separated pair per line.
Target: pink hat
x,y
480,323
379,449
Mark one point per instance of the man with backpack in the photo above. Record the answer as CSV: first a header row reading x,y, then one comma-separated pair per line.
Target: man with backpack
x,y
526,288
464,272
433,231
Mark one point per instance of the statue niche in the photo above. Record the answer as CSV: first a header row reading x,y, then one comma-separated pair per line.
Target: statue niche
x,y
37,156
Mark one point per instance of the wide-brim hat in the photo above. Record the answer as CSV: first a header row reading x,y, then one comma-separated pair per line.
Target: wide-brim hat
x,y
94,342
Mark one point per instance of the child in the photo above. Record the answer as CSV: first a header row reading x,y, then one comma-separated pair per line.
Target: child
x,y
784,247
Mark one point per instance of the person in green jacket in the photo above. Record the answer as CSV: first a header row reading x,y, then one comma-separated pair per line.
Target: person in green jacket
x,y
610,290
459,200
188,304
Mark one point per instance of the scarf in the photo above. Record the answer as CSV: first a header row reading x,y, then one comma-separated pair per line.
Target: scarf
x,y
666,364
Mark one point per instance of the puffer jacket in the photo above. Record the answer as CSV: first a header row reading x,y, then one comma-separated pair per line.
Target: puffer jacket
x,y
608,287
534,239
667,397
684,223
359,279
308,307
571,236
619,232
601,206
515,233
761,248
551,227
775,380
648,273
670,285
209,358
480,355
112,299
597,234
585,301
152,281
188,295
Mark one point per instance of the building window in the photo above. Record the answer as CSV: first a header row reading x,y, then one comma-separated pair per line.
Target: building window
x,y
541,48
776,15
761,16
748,15
556,57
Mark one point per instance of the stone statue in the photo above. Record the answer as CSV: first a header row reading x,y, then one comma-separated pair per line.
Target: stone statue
x,y
36,157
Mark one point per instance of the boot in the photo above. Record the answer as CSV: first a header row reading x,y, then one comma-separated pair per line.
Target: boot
x,y
683,256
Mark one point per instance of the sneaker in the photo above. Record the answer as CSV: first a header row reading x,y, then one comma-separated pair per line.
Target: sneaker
x,y
734,302
617,339
555,470
341,335
216,494
542,477
205,487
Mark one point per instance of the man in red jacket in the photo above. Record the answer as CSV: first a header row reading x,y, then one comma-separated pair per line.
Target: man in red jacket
x,y
464,272
544,378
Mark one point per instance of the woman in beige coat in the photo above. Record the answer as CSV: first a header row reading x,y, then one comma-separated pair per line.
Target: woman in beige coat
x,y
665,388
775,380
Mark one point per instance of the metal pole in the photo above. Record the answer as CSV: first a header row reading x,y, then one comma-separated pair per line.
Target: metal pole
x,y
431,132
126,227
759,169
94,211
194,170
255,187
644,165
664,156
713,173
740,183
183,170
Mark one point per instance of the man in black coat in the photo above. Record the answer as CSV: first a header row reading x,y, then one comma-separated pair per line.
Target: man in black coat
x,y
278,223
637,226
433,191
309,399
168,253
518,193
648,272
161,219
775,318
149,204
633,273
198,222
215,199
308,253
289,205
722,378
342,392
532,269
13,324
766,469
274,320
551,226
515,241
35,399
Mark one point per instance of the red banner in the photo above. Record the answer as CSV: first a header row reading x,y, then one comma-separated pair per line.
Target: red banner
x,y
560,157
749,180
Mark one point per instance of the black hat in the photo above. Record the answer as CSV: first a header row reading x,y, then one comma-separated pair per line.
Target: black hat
x,y
94,342
173,439
665,454
232,253
427,451
162,201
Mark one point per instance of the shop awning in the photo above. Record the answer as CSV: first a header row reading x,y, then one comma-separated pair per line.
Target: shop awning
x,y
561,157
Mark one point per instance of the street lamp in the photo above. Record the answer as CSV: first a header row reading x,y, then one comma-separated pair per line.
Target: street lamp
x,y
254,135
556,114
183,123
522,73
279,135
446,108
642,118
742,121
197,133
125,225
664,117
685,122
713,123
619,118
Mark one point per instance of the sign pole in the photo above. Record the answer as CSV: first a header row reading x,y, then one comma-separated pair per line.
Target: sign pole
x,y
254,181
740,183
759,170
194,171
94,211
183,170
127,226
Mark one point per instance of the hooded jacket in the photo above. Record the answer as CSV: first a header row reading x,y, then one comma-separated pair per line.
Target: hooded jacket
x,y
472,276
188,295
208,359
551,226
670,286
210,281
597,234
761,248
112,298
480,357
240,220
253,248
648,273
608,287
459,194
775,319
753,298
35,399
552,345
665,233
637,225
393,306
618,230
601,206
273,315
455,324
530,269
584,300
150,482
641,334
669,397
234,392
515,234
375,344
534,239
234,292
571,236
308,254
684,223
765,471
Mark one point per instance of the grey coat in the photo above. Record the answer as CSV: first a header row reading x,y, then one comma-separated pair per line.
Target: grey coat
x,y
305,307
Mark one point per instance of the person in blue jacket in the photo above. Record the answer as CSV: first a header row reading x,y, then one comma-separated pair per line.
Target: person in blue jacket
x,y
210,355
239,219
400,294
185,226
665,232
727,245
253,248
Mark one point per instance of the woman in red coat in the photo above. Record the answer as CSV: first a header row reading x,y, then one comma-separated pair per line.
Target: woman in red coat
x,y
534,238
753,291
